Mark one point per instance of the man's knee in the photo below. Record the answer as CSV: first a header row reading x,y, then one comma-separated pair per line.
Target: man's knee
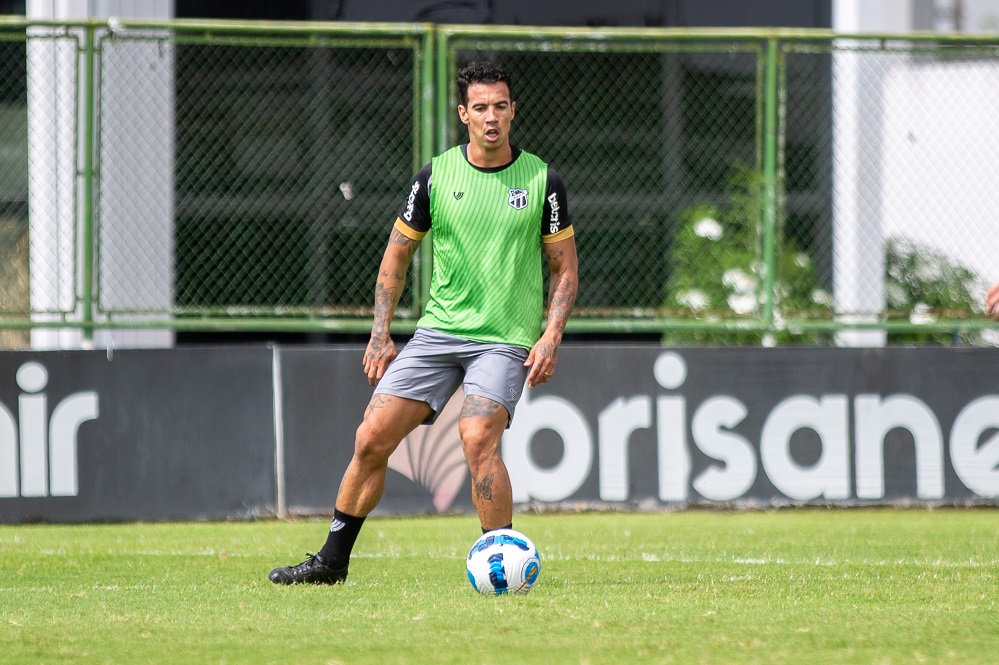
x,y
479,440
376,439
386,423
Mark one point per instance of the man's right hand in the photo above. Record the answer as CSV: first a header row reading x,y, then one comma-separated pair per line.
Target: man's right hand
x,y
380,352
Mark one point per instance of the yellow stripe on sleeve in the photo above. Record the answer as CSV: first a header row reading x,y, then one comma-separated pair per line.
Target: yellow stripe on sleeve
x,y
567,232
408,231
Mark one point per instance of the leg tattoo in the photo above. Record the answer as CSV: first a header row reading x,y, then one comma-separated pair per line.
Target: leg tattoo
x,y
475,406
484,487
377,402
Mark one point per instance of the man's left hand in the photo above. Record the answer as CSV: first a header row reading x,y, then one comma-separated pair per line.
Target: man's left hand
x,y
542,360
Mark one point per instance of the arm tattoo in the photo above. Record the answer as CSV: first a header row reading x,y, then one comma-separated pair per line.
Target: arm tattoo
x,y
391,280
380,339
397,238
484,487
562,290
561,300
385,300
395,274
554,254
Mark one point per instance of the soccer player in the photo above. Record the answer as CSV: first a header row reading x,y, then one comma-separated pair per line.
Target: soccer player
x,y
495,210
992,302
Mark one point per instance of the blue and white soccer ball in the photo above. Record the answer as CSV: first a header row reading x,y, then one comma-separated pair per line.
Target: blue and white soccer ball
x,y
503,561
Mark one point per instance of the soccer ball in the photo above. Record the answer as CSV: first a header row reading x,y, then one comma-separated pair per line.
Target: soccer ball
x,y
503,561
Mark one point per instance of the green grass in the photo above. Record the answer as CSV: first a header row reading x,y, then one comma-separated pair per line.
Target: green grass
x,y
789,586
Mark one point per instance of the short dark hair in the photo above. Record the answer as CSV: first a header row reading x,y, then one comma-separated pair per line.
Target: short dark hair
x,y
481,72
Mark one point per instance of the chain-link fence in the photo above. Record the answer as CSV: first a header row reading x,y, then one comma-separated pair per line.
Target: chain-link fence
x,y
893,201
14,285
247,174
652,136
744,186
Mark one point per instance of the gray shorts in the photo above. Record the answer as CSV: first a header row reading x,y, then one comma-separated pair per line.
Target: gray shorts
x,y
433,364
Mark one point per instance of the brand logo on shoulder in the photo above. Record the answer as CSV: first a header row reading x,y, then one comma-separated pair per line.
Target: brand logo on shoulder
x,y
458,195
518,199
553,220
411,203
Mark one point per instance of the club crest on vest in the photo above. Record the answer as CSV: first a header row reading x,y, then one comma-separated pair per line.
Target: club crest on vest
x,y
518,199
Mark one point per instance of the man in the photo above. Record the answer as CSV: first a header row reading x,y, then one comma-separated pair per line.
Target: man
x,y
493,209
992,302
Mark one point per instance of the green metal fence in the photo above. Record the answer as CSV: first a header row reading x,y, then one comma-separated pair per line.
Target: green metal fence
x,y
726,186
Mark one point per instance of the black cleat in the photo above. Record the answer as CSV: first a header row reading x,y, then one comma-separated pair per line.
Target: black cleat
x,y
311,571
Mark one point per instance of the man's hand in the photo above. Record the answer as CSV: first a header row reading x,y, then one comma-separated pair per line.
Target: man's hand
x,y
380,352
992,302
542,360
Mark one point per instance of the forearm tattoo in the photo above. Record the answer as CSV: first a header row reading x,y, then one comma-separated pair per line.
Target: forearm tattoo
x,y
385,299
391,280
561,294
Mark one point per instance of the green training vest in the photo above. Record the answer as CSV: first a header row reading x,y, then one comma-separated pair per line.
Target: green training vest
x,y
486,233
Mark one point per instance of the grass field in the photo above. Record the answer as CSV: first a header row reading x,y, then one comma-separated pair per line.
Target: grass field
x,y
788,586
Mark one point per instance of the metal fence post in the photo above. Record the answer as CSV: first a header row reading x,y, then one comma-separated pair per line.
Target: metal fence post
x,y
428,148
87,175
770,139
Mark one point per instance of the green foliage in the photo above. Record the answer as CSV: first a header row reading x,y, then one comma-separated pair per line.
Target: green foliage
x,y
922,284
814,586
15,285
718,272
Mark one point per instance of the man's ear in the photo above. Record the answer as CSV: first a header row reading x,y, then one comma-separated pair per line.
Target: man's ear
x,y
463,114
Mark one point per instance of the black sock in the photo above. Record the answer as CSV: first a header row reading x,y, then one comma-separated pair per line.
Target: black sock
x,y
508,526
340,541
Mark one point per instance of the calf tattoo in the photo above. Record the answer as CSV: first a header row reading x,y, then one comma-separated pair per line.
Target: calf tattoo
x,y
484,487
481,407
